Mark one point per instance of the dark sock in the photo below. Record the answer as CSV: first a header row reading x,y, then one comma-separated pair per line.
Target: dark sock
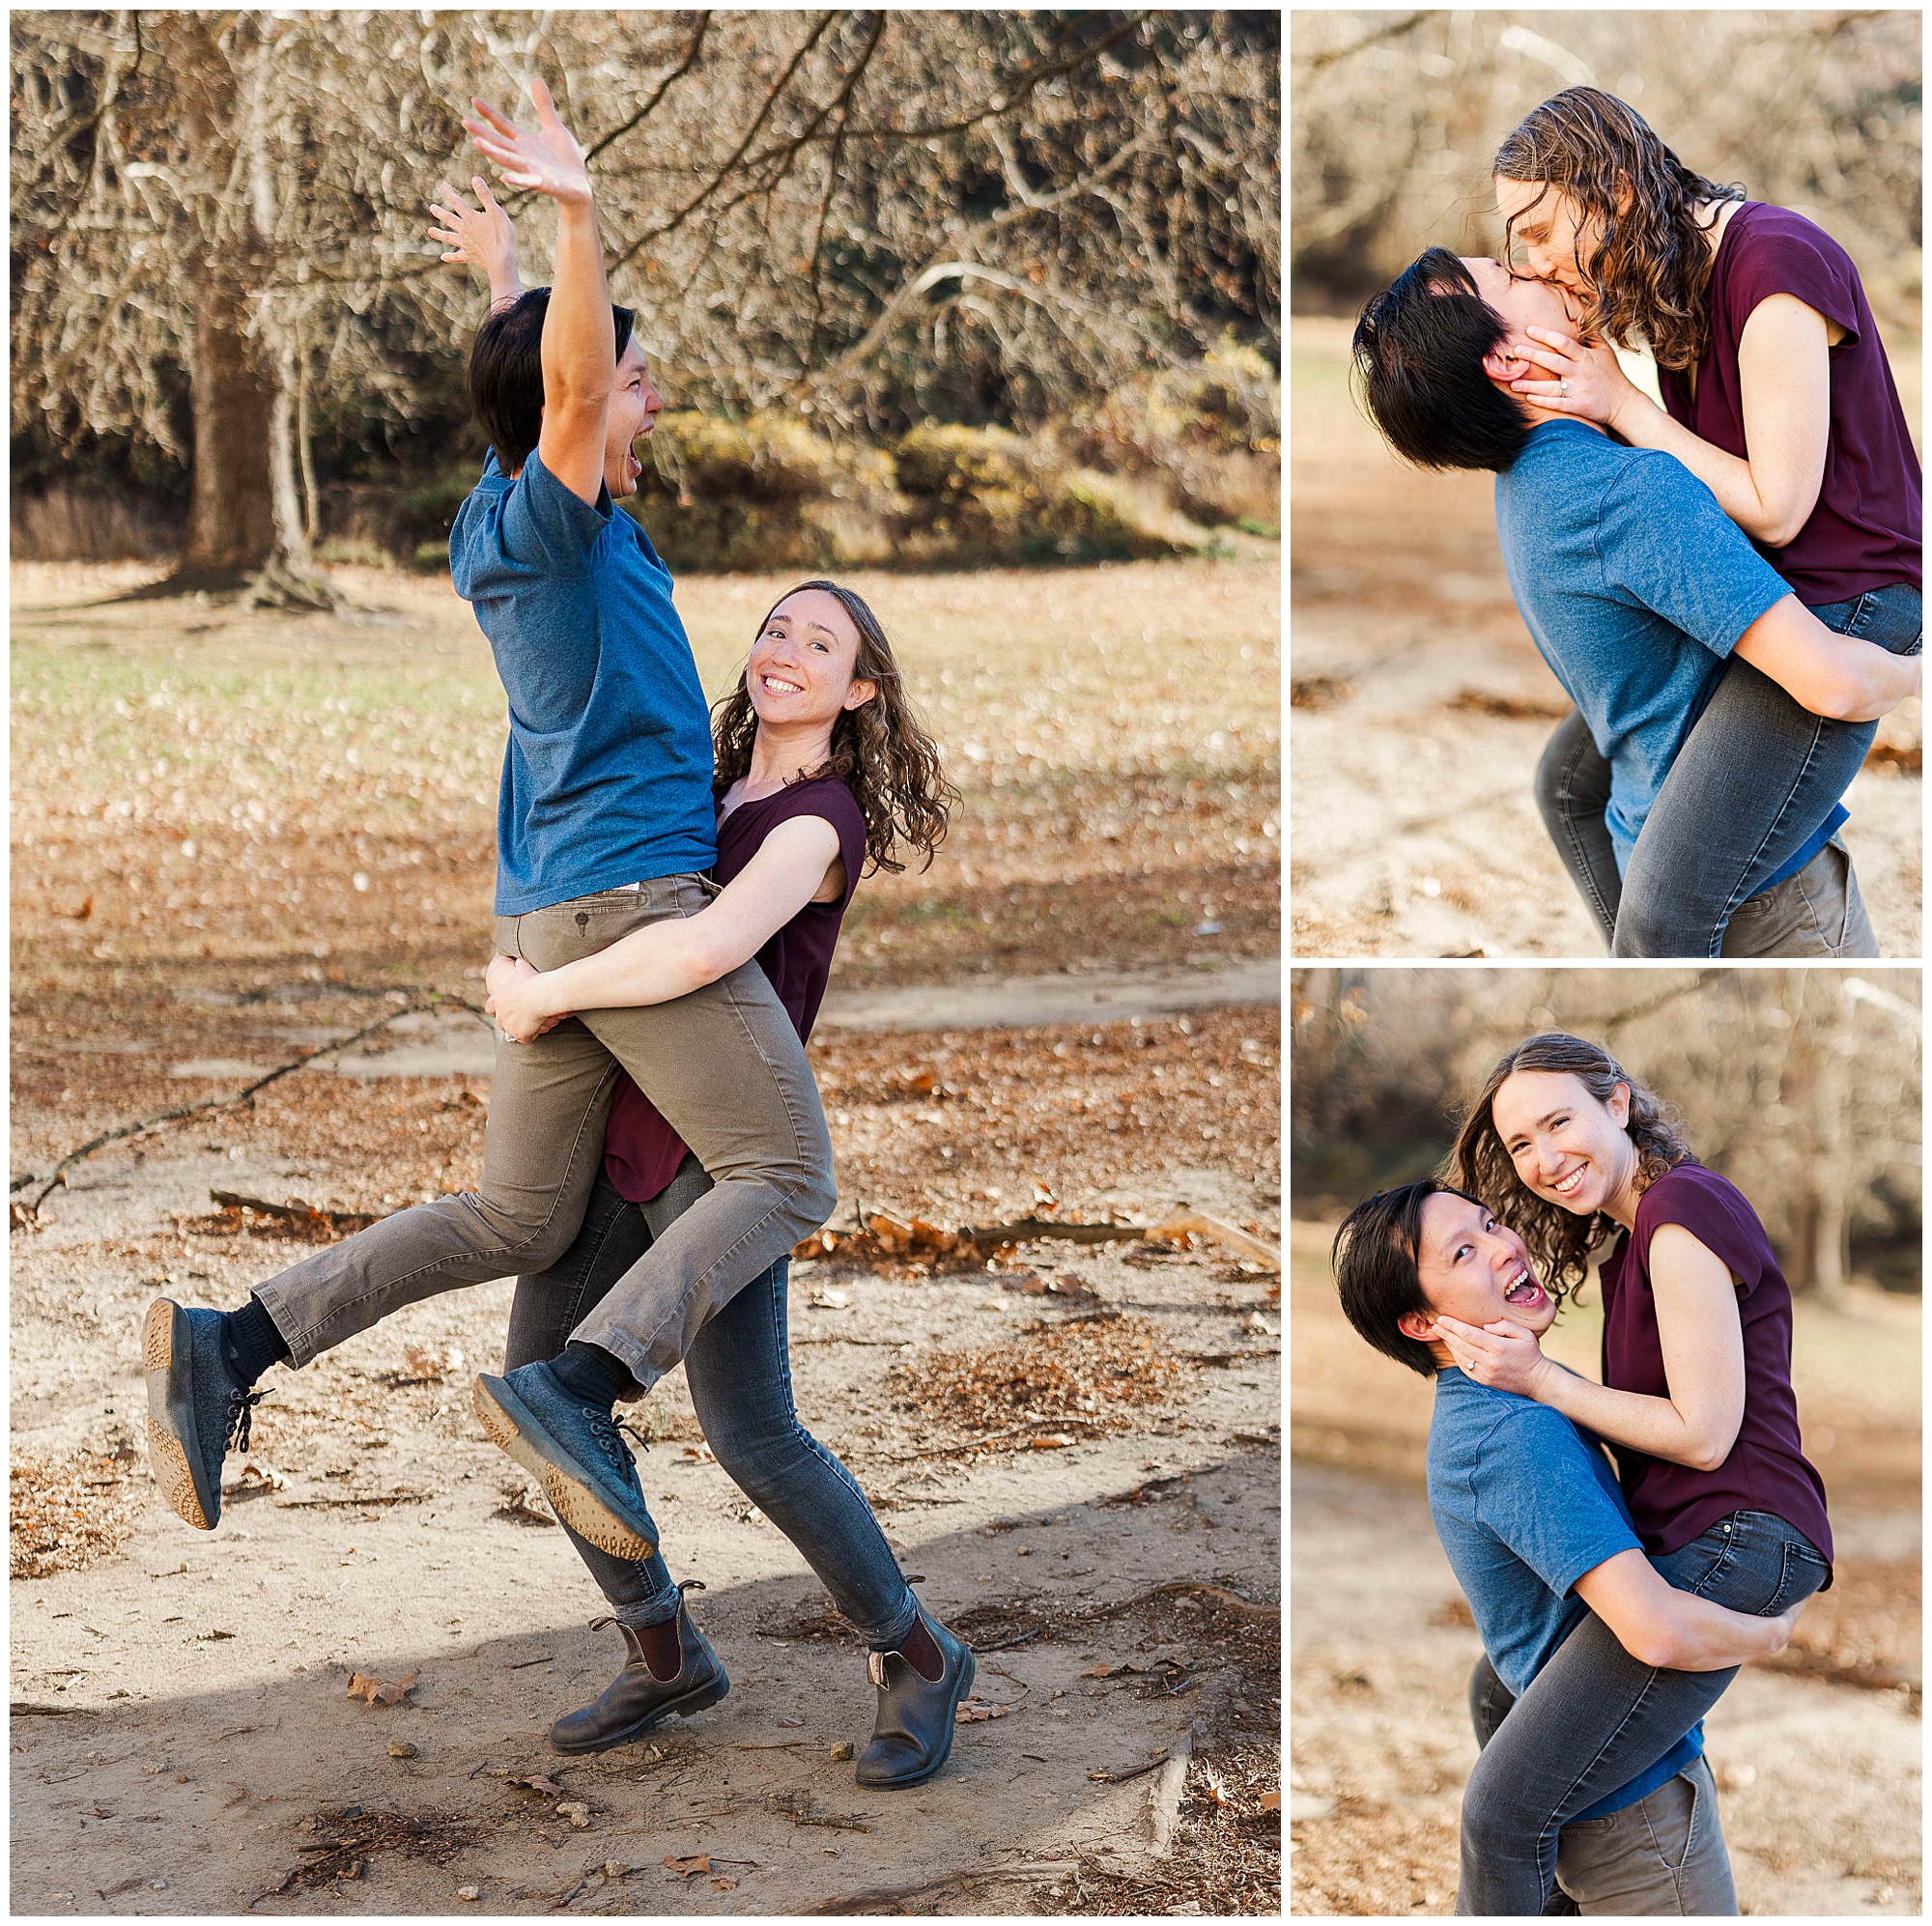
x,y
252,1342
589,1372
922,1651
663,1653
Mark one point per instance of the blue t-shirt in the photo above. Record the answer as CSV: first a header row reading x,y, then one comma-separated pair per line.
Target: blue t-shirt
x,y
606,778
1635,586
1526,1503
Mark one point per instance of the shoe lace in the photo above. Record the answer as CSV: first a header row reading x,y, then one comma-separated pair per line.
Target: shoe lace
x,y
611,1442
240,1417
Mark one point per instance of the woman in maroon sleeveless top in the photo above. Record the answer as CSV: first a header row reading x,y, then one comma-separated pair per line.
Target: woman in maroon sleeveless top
x,y
1779,397
1696,1401
821,768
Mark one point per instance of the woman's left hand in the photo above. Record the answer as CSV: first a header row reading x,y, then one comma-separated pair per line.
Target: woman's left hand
x,y
516,1000
1503,1355
1586,381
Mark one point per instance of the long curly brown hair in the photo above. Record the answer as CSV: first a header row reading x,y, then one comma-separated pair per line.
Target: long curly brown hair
x,y
1648,278
1560,1240
884,757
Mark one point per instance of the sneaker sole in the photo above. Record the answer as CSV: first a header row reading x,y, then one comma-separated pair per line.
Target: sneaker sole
x,y
703,1699
167,1359
514,1429
925,1773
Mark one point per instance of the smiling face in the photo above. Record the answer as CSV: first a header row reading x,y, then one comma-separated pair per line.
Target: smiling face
x,y
1568,1147
1474,1268
1550,234
801,670
635,402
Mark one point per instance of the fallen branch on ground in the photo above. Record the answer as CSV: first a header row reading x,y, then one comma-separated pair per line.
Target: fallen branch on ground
x,y
1045,1428
296,1211
892,1236
1230,1601
432,999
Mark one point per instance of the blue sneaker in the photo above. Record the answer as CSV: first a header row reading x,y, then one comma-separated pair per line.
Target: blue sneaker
x,y
575,1451
196,1407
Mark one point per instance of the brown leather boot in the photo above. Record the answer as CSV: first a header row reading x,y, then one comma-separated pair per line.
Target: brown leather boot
x,y
637,1699
913,1730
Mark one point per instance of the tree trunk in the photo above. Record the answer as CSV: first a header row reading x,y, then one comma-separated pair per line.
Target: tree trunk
x,y
231,529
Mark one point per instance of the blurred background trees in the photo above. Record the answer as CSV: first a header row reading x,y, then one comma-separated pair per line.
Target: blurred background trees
x,y
1396,116
223,300
1801,1086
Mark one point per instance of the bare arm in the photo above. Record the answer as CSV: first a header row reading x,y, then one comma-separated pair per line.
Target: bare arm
x,y
677,955
1825,672
1786,383
1702,1339
580,341
1678,1631
481,236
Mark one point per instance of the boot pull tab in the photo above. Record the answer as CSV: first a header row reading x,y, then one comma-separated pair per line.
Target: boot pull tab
x,y
685,1585
875,1668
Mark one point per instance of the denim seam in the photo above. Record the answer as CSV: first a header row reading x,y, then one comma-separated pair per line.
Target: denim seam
x,y
1605,916
1738,889
298,1344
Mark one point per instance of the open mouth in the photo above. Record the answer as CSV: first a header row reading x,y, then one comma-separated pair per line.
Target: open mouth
x,y
1569,1185
633,467
777,686
1525,1294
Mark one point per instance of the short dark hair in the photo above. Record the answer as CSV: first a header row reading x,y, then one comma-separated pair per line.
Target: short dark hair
x,y
1375,1262
1419,349
506,374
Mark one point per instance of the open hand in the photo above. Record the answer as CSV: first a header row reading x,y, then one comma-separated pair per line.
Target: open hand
x,y
545,159
1503,1355
481,236
514,1000
1574,379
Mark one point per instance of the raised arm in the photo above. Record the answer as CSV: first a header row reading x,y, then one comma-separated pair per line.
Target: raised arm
x,y
482,236
1786,383
1831,674
798,861
580,341
1660,1626
1702,1340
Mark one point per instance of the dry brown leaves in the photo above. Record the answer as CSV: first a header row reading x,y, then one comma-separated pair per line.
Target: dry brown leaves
x,y
67,1513
381,1691
1083,1371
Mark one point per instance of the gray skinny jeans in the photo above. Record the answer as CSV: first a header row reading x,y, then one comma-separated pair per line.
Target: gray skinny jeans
x,y
1661,1856
1595,1718
724,1066
1756,777
739,1374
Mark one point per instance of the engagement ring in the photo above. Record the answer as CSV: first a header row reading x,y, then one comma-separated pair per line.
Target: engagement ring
x,y
1563,388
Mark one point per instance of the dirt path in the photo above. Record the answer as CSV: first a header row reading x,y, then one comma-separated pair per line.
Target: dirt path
x,y
185,1719
1421,706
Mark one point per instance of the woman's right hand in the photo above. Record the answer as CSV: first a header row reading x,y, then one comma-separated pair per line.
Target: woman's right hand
x,y
545,159
481,236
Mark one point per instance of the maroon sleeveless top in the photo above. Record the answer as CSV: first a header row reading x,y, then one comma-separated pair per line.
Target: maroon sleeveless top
x,y
1867,528
641,1151
1766,1470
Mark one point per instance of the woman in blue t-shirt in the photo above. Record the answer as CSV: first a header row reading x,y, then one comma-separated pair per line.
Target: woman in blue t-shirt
x,y
1779,397
1696,1403
821,768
